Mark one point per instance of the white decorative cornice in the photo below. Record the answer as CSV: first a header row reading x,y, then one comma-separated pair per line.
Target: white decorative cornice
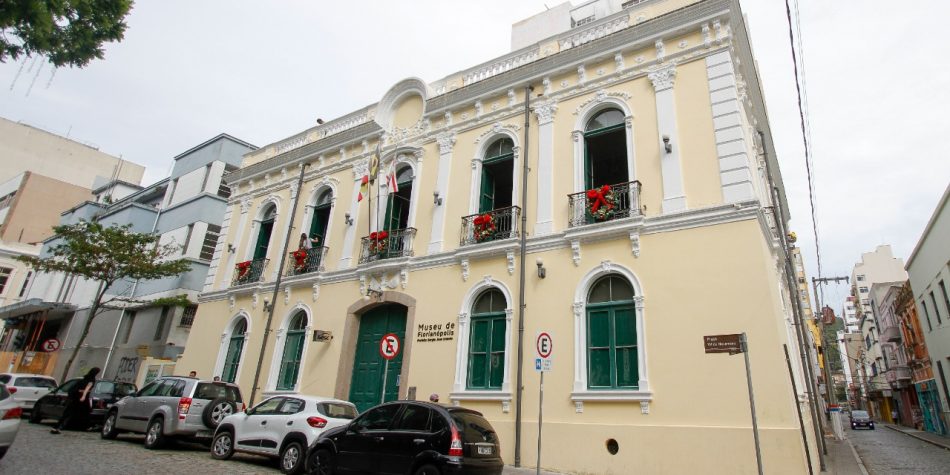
x,y
595,31
545,111
245,204
581,74
546,82
360,168
512,99
660,50
498,128
448,118
446,142
707,37
478,108
663,78
618,62
600,96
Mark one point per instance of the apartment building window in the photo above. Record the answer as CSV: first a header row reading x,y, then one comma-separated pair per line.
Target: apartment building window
x,y
224,190
263,234
188,316
204,181
184,245
26,283
873,369
128,327
923,305
943,380
209,242
584,21
321,218
863,290
867,342
612,353
946,299
486,348
860,278
933,300
4,277
397,211
293,350
497,173
605,158
160,328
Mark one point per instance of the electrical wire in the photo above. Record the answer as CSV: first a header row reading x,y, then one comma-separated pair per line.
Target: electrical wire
x,y
799,83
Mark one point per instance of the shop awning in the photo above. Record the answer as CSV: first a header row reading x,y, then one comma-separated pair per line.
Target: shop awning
x,y
31,306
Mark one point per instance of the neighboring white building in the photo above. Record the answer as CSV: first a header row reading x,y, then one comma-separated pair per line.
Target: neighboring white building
x,y
929,269
851,321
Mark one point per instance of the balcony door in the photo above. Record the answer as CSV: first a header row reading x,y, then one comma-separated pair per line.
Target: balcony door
x,y
496,179
605,150
397,208
264,234
321,218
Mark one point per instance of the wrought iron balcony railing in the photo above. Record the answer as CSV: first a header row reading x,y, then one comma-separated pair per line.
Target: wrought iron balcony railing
x,y
493,225
305,261
249,271
387,244
605,203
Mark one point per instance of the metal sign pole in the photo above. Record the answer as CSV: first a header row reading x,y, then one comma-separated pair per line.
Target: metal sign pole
x,y
540,413
755,425
385,373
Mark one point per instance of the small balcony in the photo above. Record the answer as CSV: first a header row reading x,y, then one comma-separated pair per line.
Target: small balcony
x,y
490,226
606,203
305,261
898,376
387,244
249,271
890,333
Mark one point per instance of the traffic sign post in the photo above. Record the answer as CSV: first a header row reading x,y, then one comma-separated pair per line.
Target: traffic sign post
x,y
51,345
544,345
732,344
388,348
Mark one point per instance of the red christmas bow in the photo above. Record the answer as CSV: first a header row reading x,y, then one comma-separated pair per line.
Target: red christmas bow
x,y
598,198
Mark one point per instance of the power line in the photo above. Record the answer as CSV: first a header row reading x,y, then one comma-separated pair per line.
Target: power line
x,y
799,82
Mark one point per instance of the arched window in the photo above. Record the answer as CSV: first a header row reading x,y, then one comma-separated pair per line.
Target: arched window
x,y
263,235
611,335
321,218
486,348
397,211
293,350
497,171
232,358
605,150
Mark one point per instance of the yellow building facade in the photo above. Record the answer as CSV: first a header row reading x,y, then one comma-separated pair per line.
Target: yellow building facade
x,y
647,225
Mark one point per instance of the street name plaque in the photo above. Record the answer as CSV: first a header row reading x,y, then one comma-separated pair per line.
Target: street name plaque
x,y
731,344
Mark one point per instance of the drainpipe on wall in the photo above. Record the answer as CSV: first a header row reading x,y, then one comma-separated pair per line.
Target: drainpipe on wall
x,y
280,274
521,305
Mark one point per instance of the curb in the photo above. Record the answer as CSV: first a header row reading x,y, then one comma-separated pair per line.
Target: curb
x,y
864,470
945,447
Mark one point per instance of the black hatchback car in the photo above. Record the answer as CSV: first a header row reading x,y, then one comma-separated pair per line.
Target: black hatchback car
x,y
104,394
409,437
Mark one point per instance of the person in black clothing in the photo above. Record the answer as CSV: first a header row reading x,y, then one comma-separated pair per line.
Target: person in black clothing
x,y
78,404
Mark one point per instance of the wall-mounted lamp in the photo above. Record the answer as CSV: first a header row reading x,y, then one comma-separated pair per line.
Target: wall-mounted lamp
x,y
436,199
231,248
667,145
348,219
267,305
542,272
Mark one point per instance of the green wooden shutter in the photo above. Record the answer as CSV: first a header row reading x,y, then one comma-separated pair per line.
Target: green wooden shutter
x,y
598,349
263,239
478,354
625,345
487,197
497,368
232,359
290,363
318,226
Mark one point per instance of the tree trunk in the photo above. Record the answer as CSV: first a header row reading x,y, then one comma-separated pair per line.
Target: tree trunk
x,y
93,310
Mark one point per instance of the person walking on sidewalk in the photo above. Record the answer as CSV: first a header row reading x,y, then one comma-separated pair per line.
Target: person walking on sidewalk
x,y
78,404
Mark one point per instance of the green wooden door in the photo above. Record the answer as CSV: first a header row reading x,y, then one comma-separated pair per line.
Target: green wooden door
x,y
366,387
263,239
290,363
487,199
611,347
232,359
318,226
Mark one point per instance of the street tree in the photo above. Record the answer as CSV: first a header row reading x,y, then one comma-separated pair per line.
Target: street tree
x,y
106,255
66,32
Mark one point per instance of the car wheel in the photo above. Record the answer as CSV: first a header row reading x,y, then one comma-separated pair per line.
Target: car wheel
x,y
36,416
292,457
154,438
108,427
427,470
215,412
222,448
320,462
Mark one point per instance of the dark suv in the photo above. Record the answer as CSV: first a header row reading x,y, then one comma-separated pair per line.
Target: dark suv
x,y
104,395
411,437
173,406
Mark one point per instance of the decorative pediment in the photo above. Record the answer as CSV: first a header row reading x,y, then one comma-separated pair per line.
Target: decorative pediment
x,y
600,96
498,128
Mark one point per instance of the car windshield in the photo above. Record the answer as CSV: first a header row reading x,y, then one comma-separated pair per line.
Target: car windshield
x,y
859,414
337,410
474,427
34,382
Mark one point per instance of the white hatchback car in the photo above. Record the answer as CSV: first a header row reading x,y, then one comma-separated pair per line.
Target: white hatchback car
x,y
28,388
281,427
10,413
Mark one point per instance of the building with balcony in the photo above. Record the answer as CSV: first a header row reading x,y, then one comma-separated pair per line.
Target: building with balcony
x,y
185,209
891,306
850,315
637,175
929,270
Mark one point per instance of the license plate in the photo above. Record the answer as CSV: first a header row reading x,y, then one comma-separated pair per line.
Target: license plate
x,y
484,450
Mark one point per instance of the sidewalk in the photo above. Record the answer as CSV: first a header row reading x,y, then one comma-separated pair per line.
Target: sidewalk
x,y
842,459
938,440
511,470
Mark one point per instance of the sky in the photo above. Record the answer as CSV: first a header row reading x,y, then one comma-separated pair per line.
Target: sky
x,y
186,71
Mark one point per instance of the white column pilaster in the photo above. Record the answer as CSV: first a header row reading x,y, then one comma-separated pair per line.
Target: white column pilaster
x,y
446,142
731,146
360,169
545,111
225,280
671,168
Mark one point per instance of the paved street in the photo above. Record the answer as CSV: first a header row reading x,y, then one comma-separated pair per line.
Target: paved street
x,y
37,451
886,451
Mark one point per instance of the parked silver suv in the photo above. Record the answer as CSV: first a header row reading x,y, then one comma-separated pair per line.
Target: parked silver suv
x,y
172,407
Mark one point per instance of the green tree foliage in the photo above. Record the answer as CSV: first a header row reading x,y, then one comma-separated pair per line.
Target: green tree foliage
x,y
67,32
106,255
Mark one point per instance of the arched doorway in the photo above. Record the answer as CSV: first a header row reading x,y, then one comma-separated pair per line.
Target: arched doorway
x,y
369,367
293,350
232,359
